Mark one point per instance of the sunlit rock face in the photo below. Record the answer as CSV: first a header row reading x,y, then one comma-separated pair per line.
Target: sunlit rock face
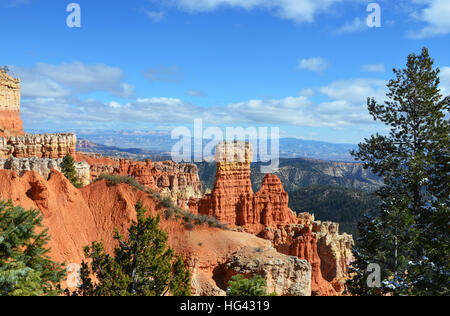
x,y
10,121
267,215
43,167
13,141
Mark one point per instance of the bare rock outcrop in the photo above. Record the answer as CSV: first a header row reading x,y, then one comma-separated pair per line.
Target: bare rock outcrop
x,y
335,252
232,191
177,182
13,141
232,200
284,275
44,166
267,214
43,146
10,121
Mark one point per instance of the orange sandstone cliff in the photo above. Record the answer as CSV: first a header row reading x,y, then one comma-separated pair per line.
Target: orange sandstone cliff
x,y
13,141
267,214
77,217
10,121
295,254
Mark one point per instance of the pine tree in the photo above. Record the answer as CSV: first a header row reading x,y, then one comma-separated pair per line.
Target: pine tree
x,y
240,286
69,171
25,268
142,264
413,160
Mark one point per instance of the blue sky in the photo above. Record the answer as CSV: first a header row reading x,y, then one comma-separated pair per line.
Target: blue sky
x,y
306,66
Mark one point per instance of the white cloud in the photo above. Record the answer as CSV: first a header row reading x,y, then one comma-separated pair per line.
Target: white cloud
x,y
315,64
346,106
114,105
445,80
296,10
357,25
374,68
436,15
45,80
355,90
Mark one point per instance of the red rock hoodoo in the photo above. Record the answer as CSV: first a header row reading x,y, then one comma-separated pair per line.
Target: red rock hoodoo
x,y
10,121
13,141
267,215
75,217
177,182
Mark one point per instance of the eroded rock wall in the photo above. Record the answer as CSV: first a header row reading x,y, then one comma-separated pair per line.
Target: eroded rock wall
x,y
43,166
232,194
177,182
267,214
10,121
43,145
285,275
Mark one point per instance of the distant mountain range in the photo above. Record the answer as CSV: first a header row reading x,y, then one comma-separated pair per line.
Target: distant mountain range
x,y
161,143
296,173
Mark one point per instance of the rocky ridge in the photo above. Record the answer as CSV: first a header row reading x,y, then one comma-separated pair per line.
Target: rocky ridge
x,y
177,182
77,217
267,214
43,167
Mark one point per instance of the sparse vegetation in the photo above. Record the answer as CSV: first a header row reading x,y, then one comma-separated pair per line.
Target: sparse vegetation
x,y
142,264
168,214
69,171
25,268
165,202
114,180
240,286
189,226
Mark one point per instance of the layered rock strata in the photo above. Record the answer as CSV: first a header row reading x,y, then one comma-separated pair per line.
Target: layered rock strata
x,y
44,166
267,215
77,217
177,182
284,275
13,141
10,121
43,146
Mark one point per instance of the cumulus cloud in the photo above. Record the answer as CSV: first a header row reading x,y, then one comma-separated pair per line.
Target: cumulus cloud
x,y
315,64
346,106
45,80
355,90
436,16
296,10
